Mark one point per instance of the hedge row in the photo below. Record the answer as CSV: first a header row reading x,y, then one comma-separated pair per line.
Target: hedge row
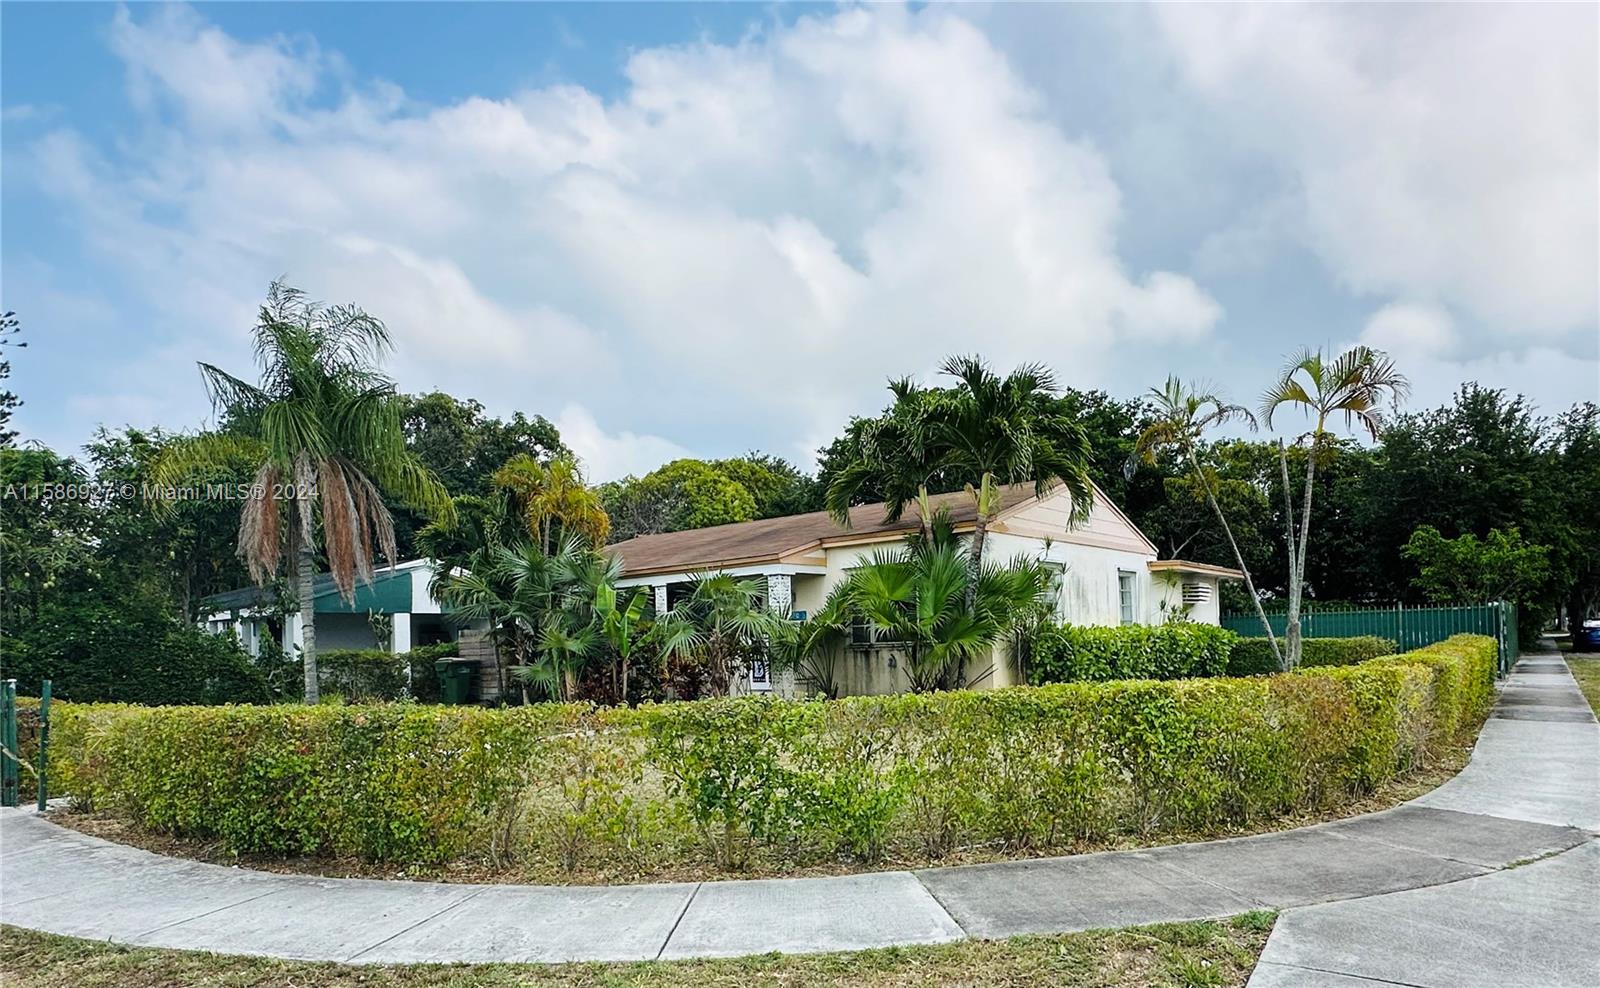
x,y
365,674
1072,653
631,792
1253,656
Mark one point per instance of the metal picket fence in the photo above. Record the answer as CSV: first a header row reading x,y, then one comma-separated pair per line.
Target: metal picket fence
x,y
1410,627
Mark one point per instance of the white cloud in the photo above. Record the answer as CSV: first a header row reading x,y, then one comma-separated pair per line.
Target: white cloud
x,y
1440,151
1411,329
738,249
610,457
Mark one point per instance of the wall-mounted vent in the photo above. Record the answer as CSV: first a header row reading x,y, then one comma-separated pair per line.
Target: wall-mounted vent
x,y
1195,593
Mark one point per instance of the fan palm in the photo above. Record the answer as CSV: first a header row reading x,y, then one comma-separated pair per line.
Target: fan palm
x,y
723,622
922,596
1356,385
324,425
811,648
1183,416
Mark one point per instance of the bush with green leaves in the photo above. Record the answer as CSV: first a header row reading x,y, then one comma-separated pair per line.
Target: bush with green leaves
x,y
1253,656
127,649
1072,653
728,783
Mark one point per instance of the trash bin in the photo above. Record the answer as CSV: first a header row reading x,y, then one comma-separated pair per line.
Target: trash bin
x,y
458,680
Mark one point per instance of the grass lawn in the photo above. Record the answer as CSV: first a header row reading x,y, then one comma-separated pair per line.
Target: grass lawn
x,y
1587,671
1186,955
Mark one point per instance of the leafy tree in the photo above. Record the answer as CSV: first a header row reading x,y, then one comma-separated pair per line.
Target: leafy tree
x,y
9,402
1574,459
1356,384
1183,415
680,495
463,446
923,596
1466,570
776,485
47,543
324,427
183,553
97,645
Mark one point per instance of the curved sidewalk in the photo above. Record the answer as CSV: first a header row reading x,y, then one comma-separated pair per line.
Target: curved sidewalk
x,y
1532,789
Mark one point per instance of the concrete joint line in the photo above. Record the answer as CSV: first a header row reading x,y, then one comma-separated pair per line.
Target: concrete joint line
x,y
1216,885
208,912
1347,974
431,916
675,923
1483,869
943,907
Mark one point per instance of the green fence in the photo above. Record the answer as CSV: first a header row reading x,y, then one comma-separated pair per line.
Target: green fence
x,y
1410,627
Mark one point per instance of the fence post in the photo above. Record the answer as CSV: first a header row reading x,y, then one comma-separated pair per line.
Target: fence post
x,y
8,740
44,745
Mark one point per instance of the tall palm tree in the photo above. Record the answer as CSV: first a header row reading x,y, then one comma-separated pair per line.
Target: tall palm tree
x,y
988,432
324,424
1355,385
1183,416
918,596
894,455
554,500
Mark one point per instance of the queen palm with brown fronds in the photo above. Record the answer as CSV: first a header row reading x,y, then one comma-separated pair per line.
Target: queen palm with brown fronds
x,y
325,426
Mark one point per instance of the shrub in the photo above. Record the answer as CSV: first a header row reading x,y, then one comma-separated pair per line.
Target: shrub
x,y
127,650
1070,653
1253,656
628,791
359,675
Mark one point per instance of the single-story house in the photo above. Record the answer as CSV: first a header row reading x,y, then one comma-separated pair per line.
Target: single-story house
x,y
1110,572
399,593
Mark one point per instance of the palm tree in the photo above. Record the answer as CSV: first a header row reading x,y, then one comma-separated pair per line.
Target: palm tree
x,y
893,455
1356,384
987,433
554,500
1183,416
811,648
723,622
324,425
918,596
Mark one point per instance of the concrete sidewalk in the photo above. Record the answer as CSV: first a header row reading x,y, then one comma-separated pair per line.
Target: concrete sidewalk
x,y
1536,926
64,882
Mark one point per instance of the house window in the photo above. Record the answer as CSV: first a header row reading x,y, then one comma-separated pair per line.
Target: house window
x,y
1125,593
1196,593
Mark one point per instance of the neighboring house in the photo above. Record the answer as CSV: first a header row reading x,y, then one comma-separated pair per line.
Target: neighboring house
x,y
400,593
1109,570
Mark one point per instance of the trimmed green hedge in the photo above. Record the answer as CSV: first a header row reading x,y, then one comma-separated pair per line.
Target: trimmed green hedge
x,y
360,675
1070,653
1253,656
631,792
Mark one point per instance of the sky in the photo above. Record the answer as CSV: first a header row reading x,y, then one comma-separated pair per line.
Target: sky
x,y
681,229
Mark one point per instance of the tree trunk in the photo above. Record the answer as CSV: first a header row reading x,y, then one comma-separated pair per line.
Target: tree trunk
x,y
980,532
308,621
1249,584
1305,539
1291,630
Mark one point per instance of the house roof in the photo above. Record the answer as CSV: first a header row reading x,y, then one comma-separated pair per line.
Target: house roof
x,y
769,539
389,592
1184,566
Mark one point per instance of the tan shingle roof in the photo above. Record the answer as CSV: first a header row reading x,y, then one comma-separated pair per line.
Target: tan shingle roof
x,y
749,542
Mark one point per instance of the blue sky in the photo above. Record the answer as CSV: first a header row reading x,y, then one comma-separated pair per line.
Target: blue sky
x,y
700,229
